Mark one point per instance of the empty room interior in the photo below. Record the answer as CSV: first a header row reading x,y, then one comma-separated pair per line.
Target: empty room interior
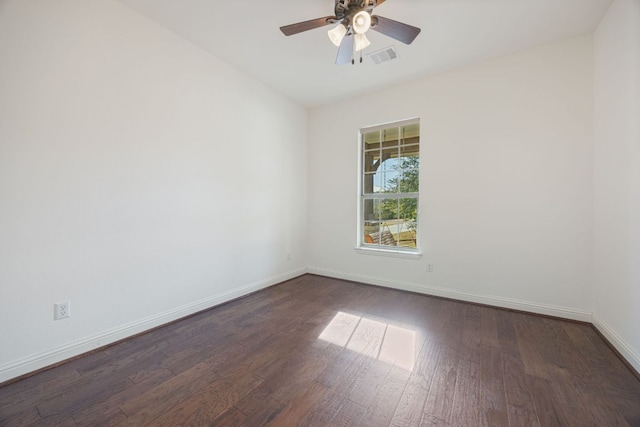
x,y
212,213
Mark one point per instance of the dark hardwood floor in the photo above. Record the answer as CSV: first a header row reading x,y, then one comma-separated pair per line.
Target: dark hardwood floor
x,y
317,352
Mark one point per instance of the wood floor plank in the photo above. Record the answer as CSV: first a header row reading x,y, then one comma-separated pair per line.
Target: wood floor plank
x,y
599,411
492,390
471,329
230,418
62,420
338,392
170,393
192,355
605,371
549,410
25,417
439,403
112,417
23,396
349,414
259,407
409,411
207,405
85,396
36,385
521,408
628,408
369,382
381,409
300,406
467,398
450,324
317,351
489,327
507,338
529,346
266,359
89,414
361,344
300,373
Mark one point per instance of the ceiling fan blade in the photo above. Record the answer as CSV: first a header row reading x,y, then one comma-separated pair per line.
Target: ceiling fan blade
x,y
289,30
396,30
345,51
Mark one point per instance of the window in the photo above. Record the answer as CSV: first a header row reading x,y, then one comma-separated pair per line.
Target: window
x,y
389,190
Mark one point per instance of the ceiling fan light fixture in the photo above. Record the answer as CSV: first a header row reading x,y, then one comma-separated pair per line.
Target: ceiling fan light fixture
x,y
361,42
354,19
336,34
361,22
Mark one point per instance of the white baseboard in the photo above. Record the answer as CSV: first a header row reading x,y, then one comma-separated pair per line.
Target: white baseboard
x,y
623,348
546,309
42,360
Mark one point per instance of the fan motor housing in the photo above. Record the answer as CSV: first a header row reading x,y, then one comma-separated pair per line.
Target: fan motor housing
x,y
348,8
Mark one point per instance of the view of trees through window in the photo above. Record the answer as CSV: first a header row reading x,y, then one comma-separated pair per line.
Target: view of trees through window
x,y
390,185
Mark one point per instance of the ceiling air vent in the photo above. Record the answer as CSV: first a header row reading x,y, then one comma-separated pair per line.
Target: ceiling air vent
x,y
384,55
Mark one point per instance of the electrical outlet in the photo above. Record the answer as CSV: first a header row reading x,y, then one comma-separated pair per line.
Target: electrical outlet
x,y
288,256
61,310
430,267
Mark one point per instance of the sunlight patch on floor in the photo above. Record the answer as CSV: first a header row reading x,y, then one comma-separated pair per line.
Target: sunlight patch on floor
x,y
388,343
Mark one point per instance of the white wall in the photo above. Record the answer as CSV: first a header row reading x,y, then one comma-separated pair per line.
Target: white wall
x,y
617,178
140,178
506,199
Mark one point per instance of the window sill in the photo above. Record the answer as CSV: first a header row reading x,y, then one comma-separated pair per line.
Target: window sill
x,y
389,253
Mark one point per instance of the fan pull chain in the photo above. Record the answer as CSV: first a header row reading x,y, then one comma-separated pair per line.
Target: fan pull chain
x,y
353,51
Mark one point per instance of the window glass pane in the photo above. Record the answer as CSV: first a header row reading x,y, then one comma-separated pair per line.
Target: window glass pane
x,y
407,223
371,208
370,182
382,236
407,238
409,163
409,151
371,140
390,158
370,213
380,210
388,209
370,161
388,182
371,233
392,163
408,181
381,226
390,134
410,134
408,209
386,237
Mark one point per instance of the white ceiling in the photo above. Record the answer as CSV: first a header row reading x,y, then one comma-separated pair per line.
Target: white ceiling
x,y
454,33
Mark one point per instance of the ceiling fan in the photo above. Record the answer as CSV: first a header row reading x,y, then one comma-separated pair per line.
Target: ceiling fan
x,y
354,19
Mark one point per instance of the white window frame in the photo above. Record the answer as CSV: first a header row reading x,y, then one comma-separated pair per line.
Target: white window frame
x,y
372,249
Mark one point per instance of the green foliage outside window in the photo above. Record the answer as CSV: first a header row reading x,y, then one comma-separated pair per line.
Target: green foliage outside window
x,y
406,181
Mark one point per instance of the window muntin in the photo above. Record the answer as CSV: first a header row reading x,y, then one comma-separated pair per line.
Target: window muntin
x,y
389,190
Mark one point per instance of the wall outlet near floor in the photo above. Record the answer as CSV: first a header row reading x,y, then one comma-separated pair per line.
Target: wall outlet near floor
x,y
288,256
429,267
61,310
